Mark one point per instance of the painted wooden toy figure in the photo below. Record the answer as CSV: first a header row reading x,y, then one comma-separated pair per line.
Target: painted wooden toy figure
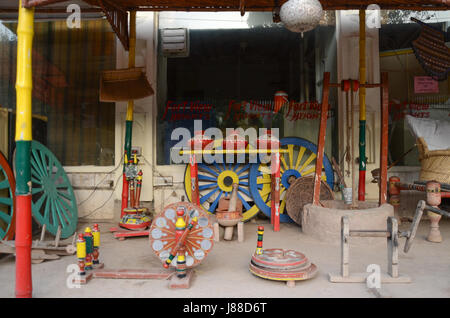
x,y
89,247
81,254
259,244
180,226
96,245
88,252
133,216
179,249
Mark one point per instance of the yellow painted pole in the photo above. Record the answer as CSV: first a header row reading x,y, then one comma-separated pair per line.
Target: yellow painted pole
x,y
130,110
362,64
362,106
24,85
132,58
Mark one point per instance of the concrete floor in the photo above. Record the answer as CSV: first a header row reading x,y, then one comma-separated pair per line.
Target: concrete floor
x,y
224,273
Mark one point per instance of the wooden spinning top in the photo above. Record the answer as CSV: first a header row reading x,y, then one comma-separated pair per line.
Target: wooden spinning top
x,y
280,264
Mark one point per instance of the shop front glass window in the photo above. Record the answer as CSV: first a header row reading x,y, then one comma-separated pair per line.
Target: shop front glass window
x,y
234,65
67,63
413,90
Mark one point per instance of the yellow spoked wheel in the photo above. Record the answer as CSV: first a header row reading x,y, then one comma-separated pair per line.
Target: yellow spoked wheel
x,y
298,161
215,182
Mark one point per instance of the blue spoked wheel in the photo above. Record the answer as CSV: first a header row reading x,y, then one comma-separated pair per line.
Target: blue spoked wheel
x,y
299,161
215,182
53,200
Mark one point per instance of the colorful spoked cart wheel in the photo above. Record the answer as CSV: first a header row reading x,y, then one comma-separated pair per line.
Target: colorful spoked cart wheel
x,y
299,161
215,181
53,200
199,242
7,200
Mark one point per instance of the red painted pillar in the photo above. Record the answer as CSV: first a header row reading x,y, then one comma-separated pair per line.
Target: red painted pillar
x,y
194,180
384,137
24,285
321,140
124,187
275,197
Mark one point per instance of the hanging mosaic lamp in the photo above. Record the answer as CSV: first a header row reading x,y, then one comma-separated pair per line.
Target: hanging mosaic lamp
x,y
301,15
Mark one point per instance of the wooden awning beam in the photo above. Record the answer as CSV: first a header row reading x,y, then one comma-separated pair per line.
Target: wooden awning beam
x,y
116,11
254,5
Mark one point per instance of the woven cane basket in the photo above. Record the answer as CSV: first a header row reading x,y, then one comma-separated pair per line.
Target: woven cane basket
x,y
435,165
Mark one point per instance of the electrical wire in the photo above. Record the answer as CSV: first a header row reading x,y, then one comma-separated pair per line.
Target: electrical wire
x,y
106,174
115,187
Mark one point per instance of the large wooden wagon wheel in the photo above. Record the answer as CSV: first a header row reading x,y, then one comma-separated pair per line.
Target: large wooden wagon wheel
x,y
7,200
199,241
299,161
215,182
53,200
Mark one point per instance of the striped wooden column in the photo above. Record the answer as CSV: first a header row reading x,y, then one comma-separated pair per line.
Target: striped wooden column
x,y
130,110
24,83
362,107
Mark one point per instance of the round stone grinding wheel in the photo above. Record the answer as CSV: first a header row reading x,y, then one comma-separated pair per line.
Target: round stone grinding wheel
x,y
199,241
300,193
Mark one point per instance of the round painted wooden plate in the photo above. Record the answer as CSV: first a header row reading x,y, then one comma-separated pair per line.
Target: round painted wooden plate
x,y
281,264
278,258
283,275
199,241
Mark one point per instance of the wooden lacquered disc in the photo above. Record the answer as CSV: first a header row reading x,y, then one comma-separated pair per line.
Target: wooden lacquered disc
x,y
199,242
284,275
277,258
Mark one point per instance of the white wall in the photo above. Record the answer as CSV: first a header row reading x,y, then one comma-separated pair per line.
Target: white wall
x,y
84,179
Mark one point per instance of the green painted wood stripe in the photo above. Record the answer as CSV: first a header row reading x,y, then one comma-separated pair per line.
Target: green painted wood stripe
x,y
23,169
128,137
362,145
